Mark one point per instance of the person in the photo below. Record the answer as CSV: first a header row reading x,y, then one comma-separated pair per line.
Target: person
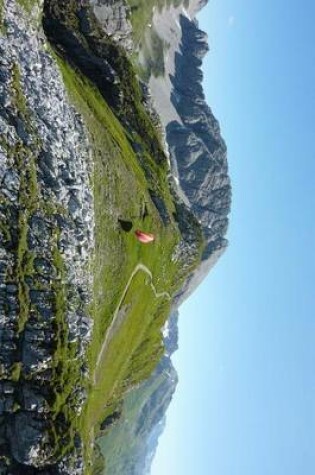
x,y
125,225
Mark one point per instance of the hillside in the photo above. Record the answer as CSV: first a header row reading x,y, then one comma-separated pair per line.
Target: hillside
x,y
199,169
83,303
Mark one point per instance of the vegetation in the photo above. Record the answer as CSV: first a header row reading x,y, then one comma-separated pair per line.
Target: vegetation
x,y
121,183
129,169
65,368
28,197
19,102
130,183
27,4
16,371
1,16
124,438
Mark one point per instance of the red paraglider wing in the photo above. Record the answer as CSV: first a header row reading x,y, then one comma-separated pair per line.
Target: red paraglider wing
x,y
143,237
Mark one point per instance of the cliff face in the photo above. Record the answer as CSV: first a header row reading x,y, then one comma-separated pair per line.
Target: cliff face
x,y
196,144
196,147
113,17
46,243
198,150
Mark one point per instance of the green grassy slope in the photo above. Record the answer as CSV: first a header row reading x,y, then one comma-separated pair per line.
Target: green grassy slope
x,y
129,169
1,15
121,190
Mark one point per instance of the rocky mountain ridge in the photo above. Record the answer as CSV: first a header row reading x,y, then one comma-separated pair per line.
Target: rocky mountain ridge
x,y
197,149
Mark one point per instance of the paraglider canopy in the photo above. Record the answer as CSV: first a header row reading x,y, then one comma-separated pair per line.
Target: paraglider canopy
x,y
143,237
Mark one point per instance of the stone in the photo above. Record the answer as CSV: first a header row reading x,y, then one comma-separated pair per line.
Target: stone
x,y
28,439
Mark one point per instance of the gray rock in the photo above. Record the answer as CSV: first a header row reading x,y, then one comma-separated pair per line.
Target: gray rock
x,y
53,143
29,440
113,16
43,266
197,150
196,144
34,401
11,180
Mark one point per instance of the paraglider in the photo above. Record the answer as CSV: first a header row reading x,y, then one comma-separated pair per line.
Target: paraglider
x,y
143,237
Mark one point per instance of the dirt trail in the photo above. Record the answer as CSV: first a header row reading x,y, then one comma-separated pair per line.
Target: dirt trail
x,y
119,316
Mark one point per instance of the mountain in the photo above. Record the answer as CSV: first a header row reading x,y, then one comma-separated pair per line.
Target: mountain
x,y
197,150
199,167
129,443
89,155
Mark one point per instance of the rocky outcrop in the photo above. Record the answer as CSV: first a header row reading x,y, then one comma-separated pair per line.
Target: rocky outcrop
x,y
196,144
197,150
46,245
114,15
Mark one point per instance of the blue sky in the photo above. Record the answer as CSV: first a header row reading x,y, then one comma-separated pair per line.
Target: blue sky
x,y
245,403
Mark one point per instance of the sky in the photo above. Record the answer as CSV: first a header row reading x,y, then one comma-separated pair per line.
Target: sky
x,y
245,403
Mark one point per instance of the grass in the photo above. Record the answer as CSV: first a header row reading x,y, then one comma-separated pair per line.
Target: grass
x,y
119,444
66,368
129,166
16,371
27,4
121,190
2,28
28,198
18,96
124,353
